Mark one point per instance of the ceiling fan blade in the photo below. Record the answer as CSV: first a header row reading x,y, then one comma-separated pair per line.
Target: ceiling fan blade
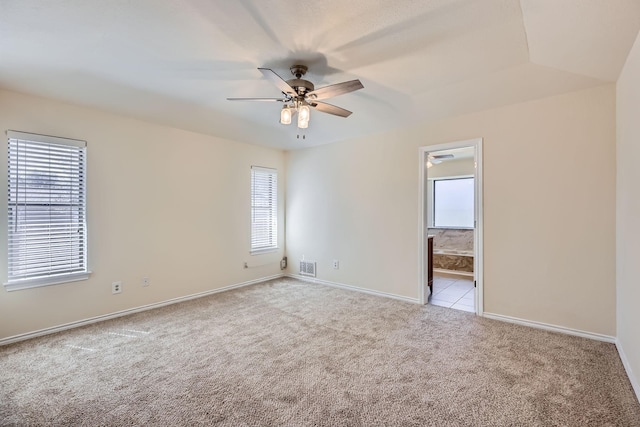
x,y
278,81
330,109
259,99
442,156
335,90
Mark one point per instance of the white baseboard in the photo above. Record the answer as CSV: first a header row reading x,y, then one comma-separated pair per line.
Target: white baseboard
x,y
549,327
54,329
353,288
627,368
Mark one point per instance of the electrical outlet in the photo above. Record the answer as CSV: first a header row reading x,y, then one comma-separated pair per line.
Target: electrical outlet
x,y
336,264
145,281
116,287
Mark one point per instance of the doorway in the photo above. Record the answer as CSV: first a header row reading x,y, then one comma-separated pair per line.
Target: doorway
x,y
451,225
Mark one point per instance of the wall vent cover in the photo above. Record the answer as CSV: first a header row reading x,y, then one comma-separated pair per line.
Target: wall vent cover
x,y
308,268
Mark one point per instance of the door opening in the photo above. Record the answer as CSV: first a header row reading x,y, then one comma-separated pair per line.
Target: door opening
x,y
451,225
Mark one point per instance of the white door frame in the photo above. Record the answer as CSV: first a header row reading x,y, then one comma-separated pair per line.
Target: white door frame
x,y
478,230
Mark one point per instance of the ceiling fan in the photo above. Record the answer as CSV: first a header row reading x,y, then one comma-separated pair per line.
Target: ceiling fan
x,y
434,159
300,95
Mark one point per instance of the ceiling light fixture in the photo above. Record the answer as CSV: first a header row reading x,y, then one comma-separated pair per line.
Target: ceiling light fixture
x,y
300,95
285,115
303,116
300,107
436,159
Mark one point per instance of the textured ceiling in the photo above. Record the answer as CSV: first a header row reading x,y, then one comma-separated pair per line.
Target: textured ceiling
x,y
176,62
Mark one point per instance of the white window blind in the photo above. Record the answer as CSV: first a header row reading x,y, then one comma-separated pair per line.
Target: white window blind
x,y
47,238
264,209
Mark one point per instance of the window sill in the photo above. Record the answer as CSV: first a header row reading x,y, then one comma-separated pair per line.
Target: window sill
x,y
17,285
263,251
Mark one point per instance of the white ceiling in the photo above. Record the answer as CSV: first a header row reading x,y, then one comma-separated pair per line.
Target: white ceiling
x,y
176,62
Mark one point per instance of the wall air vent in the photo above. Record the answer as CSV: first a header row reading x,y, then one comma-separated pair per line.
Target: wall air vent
x,y
308,268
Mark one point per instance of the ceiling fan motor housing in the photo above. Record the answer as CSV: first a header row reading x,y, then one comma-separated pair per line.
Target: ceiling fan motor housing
x,y
301,86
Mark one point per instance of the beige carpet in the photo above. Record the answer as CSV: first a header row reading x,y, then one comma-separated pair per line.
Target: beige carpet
x,y
289,353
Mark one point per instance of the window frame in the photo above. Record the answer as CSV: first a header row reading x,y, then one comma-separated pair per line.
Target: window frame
x,y
271,201
51,165
432,184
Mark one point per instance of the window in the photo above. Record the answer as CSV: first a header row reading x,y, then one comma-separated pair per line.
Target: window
x,y
264,209
453,203
47,238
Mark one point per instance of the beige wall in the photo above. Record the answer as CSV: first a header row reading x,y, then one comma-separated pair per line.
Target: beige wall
x,y
628,214
549,218
163,203
174,206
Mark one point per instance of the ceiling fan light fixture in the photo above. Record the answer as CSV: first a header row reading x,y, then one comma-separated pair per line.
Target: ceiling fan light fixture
x,y
303,116
303,112
298,92
303,124
285,115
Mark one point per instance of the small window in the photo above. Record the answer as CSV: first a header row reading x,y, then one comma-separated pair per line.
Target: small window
x,y
47,234
264,209
453,203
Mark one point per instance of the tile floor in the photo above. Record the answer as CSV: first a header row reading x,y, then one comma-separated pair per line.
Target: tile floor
x,y
452,292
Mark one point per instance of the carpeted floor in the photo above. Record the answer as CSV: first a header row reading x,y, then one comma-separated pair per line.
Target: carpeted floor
x,y
290,353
